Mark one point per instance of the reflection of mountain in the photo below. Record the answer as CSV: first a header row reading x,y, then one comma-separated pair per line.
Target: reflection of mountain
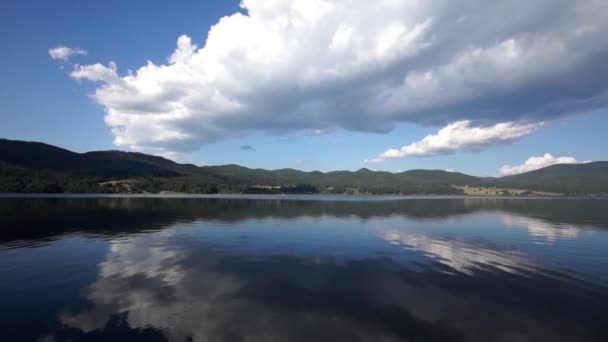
x,y
22,219
186,290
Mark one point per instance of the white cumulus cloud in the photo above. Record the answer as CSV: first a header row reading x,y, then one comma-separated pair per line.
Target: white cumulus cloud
x,y
96,72
317,65
64,53
535,163
460,135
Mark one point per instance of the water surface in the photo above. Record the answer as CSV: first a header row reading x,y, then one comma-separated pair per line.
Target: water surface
x,y
277,268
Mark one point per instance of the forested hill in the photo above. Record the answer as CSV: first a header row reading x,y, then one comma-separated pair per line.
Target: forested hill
x,y
588,178
39,167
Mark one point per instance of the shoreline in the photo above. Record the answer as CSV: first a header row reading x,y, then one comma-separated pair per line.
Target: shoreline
x,y
310,197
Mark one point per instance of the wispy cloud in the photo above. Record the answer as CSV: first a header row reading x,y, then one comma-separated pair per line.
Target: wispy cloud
x,y
64,53
246,148
460,135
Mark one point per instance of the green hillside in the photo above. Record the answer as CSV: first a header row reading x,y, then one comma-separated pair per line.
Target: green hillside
x,y
38,167
586,178
105,163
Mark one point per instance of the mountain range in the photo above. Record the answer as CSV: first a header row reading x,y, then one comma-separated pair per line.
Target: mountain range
x,y
34,167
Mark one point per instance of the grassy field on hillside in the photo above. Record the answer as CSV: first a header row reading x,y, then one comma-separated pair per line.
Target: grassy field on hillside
x,y
494,191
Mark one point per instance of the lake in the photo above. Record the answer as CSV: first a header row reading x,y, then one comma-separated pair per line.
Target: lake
x,y
303,268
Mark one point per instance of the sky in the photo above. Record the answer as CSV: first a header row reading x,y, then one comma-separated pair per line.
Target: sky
x,y
484,88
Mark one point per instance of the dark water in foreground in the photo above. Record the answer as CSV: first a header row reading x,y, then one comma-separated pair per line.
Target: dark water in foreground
x,y
180,269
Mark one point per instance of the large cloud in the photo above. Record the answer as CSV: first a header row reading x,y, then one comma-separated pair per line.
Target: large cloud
x,y
319,64
535,163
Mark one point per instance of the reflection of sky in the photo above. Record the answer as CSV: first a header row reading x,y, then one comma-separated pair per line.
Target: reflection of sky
x,y
460,255
542,231
484,239
305,237
271,278
189,290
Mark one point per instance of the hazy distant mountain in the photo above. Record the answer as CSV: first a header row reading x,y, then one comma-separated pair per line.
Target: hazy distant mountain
x,y
39,167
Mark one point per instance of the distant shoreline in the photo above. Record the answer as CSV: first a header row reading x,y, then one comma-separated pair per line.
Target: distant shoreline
x,y
306,197
31,167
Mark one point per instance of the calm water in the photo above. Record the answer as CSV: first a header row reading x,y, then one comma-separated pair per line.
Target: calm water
x,y
279,269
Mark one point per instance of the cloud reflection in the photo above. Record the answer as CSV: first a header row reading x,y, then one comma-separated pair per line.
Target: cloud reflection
x,y
542,231
301,271
459,255
190,291
183,291
155,286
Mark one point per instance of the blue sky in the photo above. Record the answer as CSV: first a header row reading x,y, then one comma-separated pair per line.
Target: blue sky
x,y
293,119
